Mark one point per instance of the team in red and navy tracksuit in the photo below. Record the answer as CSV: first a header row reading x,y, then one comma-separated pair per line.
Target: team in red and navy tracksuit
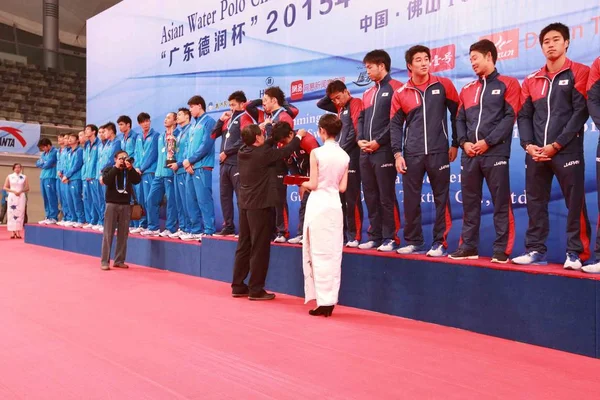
x,y
377,169
553,111
231,130
593,93
351,199
488,109
423,141
299,164
286,113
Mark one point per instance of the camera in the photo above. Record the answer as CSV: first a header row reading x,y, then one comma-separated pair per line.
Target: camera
x,y
130,160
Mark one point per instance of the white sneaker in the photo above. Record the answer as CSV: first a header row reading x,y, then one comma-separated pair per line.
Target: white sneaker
x,y
148,232
411,249
165,233
50,221
88,226
69,224
176,235
188,236
136,230
99,228
44,222
387,246
367,245
531,258
592,268
572,262
352,244
296,240
61,223
77,225
437,250
280,239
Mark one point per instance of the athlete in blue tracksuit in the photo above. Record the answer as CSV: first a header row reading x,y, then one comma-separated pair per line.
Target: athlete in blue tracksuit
x,y
90,163
72,177
377,167
47,163
183,119
200,161
106,158
593,93
146,151
128,139
163,183
61,188
338,100
551,125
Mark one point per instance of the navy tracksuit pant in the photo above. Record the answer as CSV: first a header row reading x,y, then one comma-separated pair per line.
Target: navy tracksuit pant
x,y
378,173
351,200
229,184
495,171
437,167
569,170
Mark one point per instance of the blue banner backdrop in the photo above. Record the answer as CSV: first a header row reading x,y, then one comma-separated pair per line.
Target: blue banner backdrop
x,y
147,56
19,137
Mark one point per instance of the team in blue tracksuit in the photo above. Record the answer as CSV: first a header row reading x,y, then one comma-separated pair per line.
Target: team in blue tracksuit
x,y
201,156
47,163
593,93
72,176
181,174
554,112
106,158
146,151
377,169
423,145
488,110
351,199
163,183
89,175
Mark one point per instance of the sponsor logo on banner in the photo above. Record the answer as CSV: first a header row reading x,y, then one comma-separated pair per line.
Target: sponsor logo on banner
x,y
298,88
443,58
18,137
507,43
363,78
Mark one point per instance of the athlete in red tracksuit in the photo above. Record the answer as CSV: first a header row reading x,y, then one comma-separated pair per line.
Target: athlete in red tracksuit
x,y
275,109
593,93
377,169
230,126
419,132
486,118
551,125
298,163
338,100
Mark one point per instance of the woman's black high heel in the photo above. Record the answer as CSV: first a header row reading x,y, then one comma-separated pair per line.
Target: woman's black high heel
x,y
325,311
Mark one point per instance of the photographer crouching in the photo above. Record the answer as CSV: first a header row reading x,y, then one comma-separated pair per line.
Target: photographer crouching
x,y
119,180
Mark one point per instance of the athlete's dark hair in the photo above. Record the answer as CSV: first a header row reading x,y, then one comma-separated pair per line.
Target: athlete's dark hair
x,y
485,46
238,96
197,100
125,119
379,57
44,142
281,130
93,127
62,134
186,111
75,135
173,113
410,53
331,124
250,133
556,26
142,117
277,93
335,86
111,126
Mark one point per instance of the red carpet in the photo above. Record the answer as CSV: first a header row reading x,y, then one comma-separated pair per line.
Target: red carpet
x,y
72,331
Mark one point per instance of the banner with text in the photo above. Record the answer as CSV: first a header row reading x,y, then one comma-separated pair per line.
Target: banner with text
x,y
146,56
18,137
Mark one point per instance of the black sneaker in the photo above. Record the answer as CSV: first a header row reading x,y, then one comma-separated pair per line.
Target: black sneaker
x,y
262,296
225,232
464,254
500,257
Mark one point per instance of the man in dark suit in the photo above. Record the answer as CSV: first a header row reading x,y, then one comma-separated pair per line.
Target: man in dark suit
x,y
257,201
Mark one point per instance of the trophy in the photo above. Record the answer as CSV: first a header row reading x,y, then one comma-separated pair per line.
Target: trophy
x,y
171,144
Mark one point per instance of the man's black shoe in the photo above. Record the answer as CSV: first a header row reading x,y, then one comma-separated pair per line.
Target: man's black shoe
x,y
464,254
500,257
225,232
239,294
262,296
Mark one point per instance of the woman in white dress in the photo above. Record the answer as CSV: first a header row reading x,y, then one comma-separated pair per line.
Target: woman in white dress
x,y
16,185
323,219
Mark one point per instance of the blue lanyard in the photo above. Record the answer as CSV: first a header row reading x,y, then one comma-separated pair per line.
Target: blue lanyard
x,y
231,122
276,114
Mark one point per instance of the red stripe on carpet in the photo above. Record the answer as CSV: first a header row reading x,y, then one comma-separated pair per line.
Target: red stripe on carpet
x,y
72,331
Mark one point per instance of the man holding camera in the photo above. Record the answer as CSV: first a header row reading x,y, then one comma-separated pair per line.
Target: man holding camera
x,y
119,180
